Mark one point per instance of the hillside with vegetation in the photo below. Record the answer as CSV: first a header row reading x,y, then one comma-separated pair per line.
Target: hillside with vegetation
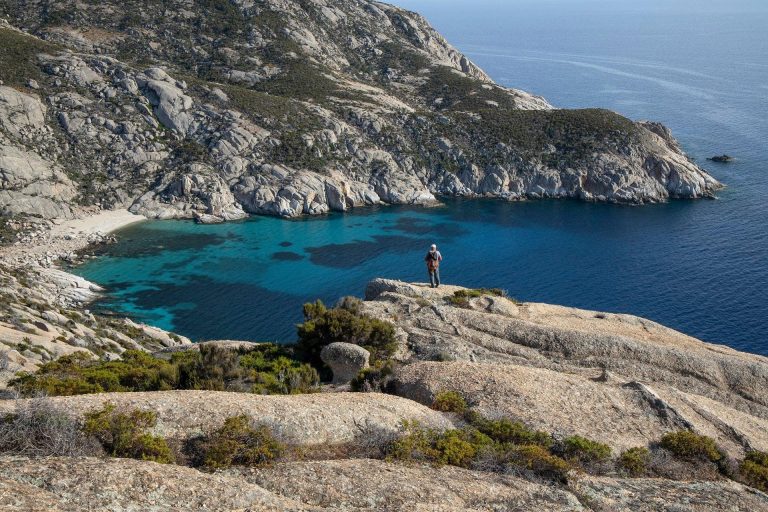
x,y
215,109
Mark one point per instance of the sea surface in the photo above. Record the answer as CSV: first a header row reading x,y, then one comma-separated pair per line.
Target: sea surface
x,y
697,266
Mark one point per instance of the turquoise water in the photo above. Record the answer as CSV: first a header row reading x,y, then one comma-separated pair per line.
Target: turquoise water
x,y
697,266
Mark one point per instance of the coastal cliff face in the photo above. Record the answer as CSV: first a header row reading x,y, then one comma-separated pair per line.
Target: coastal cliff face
x,y
215,109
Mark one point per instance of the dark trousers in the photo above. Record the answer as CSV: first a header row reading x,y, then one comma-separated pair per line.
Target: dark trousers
x,y
434,277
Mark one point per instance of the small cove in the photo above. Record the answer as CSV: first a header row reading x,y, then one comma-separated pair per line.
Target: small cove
x,y
238,281
697,266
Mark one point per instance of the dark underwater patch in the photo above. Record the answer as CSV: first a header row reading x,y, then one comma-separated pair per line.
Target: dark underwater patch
x,y
174,265
225,310
153,242
417,226
356,253
287,256
286,244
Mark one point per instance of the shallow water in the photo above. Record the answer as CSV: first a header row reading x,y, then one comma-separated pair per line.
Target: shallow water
x,y
697,266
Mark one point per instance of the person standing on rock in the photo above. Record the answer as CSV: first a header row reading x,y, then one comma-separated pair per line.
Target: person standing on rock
x,y
433,259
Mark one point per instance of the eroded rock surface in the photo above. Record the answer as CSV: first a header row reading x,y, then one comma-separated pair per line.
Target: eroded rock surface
x,y
366,484
75,484
619,378
299,419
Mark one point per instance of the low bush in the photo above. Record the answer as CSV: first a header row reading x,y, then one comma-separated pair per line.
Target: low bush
x,y
449,401
377,378
539,461
754,470
239,443
504,430
274,372
461,298
634,461
344,323
456,447
265,368
688,444
123,434
471,447
585,451
39,429
79,373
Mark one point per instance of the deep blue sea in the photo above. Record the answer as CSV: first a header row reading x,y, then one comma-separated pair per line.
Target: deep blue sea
x,y
697,266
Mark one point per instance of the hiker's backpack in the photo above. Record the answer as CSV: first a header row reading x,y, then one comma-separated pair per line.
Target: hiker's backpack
x,y
432,260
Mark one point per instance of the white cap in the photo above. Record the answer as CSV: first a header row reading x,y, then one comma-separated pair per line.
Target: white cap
x,y
434,246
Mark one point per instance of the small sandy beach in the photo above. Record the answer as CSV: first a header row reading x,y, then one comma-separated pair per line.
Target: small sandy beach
x,y
61,238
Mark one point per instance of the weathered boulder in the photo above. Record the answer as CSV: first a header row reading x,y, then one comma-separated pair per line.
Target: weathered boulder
x,y
345,359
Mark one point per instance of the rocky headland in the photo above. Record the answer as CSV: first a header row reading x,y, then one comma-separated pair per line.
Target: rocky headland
x,y
216,110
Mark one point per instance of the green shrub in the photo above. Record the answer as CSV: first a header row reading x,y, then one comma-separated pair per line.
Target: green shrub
x,y
239,443
754,470
539,460
635,460
376,378
78,373
688,444
585,450
274,372
449,401
266,368
456,447
214,368
461,298
504,430
123,434
344,323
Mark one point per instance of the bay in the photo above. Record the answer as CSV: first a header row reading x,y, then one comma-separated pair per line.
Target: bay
x,y
697,266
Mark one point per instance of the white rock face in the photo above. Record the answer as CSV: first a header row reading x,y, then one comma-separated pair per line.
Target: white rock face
x,y
300,115
200,192
171,104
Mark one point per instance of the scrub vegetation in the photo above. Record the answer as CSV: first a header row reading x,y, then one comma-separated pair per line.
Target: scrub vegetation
x,y
264,369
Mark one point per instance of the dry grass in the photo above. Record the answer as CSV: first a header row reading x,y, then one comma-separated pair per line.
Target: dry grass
x,y
39,429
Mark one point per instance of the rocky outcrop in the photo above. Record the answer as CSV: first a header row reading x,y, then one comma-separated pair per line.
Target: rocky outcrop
x,y
365,484
29,183
325,418
75,484
346,360
618,378
41,319
316,107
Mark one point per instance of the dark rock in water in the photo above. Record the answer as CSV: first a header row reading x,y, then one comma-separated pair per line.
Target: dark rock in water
x,y
723,159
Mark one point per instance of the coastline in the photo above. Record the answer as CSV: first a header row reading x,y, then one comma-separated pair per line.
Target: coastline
x,y
61,239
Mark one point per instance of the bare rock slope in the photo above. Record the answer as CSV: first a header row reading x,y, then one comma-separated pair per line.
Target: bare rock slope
x,y
75,484
322,418
618,378
213,110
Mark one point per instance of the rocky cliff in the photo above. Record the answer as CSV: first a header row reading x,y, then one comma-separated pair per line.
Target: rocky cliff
x,y
214,109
